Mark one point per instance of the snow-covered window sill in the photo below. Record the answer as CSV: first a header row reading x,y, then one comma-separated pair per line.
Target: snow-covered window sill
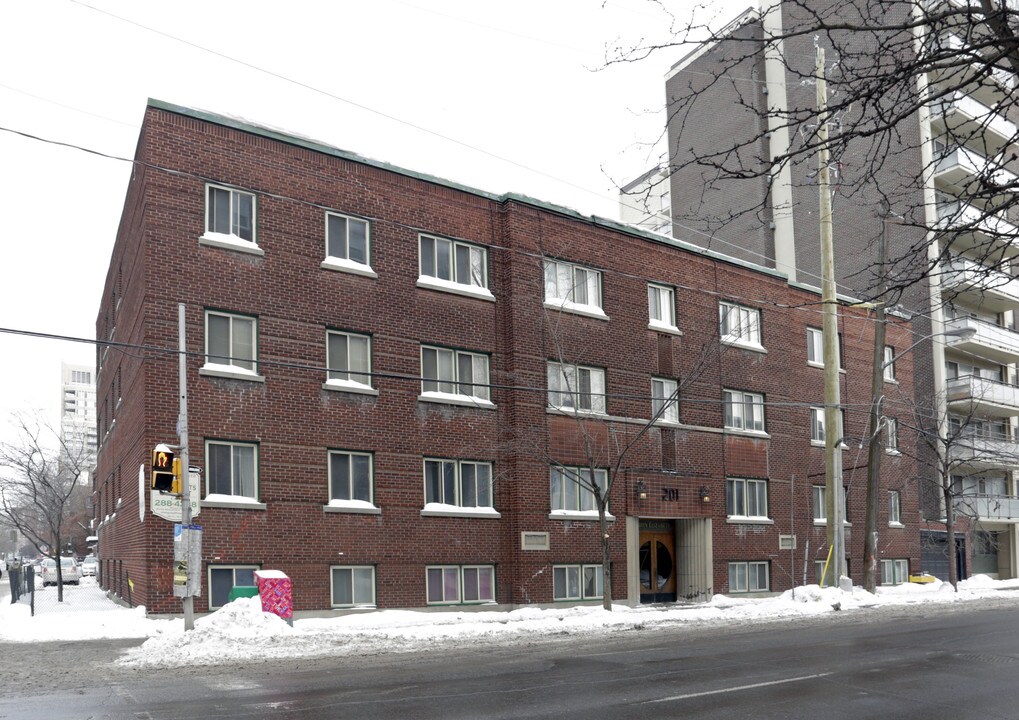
x,y
746,520
664,328
348,266
229,371
442,510
430,283
896,525
452,399
823,523
230,242
591,311
578,515
744,344
553,410
748,433
360,507
349,387
236,502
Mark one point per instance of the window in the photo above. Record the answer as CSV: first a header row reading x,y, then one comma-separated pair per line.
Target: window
x,y
815,348
352,586
739,324
888,368
458,482
232,468
661,302
748,577
820,499
572,488
452,584
891,435
346,238
230,341
894,508
817,431
455,262
224,578
894,572
664,401
743,410
350,476
230,212
573,287
348,359
746,498
576,582
576,388
454,373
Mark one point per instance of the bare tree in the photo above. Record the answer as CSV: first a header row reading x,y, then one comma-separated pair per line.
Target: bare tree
x,y
890,63
39,488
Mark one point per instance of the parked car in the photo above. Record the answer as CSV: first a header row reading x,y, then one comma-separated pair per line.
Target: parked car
x,y
70,571
89,566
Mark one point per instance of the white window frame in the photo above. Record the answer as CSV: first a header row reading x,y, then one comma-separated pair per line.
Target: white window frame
x,y
233,495
235,365
449,387
896,569
570,493
358,375
815,348
570,582
740,325
892,436
234,239
661,300
476,282
335,499
357,600
208,572
817,429
565,388
894,508
744,497
563,280
343,261
463,575
888,364
743,411
819,504
453,496
664,395
740,582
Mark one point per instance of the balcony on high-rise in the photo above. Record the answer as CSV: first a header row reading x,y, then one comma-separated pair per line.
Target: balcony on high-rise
x,y
971,395
989,508
959,119
984,452
981,286
966,69
983,339
965,171
968,227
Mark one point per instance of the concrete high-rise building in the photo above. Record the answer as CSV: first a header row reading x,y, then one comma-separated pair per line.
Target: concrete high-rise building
x,y
78,411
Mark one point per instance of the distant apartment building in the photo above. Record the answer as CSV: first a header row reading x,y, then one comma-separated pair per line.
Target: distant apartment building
x,y
401,391
963,136
78,411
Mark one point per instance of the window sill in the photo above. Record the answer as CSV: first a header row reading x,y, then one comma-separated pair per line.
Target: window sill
x,y
899,526
820,366
748,433
735,342
230,242
824,523
893,453
553,410
347,266
664,328
442,510
234,502
349,387
430,283
578,515
451,399
891,381
747,520
817,444
666,423
590,311
356,507
227,371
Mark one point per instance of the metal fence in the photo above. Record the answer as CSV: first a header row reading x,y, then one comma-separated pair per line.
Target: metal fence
x,y
22,580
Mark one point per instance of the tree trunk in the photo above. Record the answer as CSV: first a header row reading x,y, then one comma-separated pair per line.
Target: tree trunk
x,y
606,555
953,561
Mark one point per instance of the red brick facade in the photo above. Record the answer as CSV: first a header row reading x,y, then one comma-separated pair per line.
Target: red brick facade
x,y
294,421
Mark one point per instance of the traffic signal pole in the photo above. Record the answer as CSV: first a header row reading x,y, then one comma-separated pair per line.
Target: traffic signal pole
x,y
185,460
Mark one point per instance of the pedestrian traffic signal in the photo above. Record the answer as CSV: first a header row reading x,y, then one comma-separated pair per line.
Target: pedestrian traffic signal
x,y
176,489
162,468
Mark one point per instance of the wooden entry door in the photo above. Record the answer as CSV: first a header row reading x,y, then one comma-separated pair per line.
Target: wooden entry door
x,y
657,561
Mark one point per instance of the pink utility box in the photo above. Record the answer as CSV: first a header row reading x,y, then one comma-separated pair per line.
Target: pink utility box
x,y
277,593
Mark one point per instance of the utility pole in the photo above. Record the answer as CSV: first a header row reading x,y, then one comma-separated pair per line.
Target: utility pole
x,y
182,432
834,503
870,557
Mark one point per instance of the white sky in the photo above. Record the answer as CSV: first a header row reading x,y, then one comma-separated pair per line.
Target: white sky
x,y
515,80
240,632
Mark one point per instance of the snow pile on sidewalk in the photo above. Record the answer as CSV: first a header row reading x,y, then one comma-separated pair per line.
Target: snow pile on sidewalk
x,y
242,632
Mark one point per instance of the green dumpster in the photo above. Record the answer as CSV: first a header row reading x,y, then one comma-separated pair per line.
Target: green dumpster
x,y
241,591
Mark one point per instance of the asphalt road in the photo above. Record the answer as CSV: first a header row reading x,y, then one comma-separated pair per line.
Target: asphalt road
x,y
924,662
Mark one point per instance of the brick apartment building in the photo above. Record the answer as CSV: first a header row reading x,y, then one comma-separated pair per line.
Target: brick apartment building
x,y
949,166
393,378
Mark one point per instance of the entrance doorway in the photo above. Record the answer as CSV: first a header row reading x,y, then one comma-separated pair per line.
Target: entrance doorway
x,y
657,561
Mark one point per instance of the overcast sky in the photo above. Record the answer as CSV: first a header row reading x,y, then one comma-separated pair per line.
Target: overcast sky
x,y
499,96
